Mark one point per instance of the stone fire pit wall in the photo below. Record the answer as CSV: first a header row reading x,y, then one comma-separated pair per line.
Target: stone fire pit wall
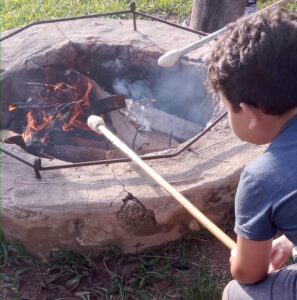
x,y
86,209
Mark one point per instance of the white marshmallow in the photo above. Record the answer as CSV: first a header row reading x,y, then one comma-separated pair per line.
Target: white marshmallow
x,y
169,59
94,122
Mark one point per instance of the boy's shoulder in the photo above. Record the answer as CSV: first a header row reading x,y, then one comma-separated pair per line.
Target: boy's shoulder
x,y
267,191
278,164
258,174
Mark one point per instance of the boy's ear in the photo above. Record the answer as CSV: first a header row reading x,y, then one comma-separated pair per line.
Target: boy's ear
x,y
251,113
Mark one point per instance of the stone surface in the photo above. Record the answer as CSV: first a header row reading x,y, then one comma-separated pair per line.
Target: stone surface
x,y
88,208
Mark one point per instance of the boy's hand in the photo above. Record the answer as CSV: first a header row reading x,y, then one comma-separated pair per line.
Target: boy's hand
x,y
281,250
233,254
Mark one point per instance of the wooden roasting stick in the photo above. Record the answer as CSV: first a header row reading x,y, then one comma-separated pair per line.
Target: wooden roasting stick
x,y
97,124
170,58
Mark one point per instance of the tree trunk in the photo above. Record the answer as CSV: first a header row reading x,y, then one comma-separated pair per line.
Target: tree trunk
x,y
211,15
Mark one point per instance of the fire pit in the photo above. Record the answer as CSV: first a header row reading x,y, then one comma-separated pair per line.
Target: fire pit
x,y
89,196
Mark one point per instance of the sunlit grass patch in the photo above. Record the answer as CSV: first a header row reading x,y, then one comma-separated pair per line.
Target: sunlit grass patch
x,y
207,284
17,13
264,3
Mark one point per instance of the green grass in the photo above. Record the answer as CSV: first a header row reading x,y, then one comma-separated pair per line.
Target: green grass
x,y
206,285
181,270
16,13
13,257
262,3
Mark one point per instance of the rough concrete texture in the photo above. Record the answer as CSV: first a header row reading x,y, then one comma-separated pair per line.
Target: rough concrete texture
x,y
88,208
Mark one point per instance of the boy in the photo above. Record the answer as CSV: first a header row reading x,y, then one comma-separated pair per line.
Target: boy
x,y
253,69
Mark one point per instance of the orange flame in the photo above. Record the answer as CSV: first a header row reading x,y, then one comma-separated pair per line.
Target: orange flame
x,y
32,126
78,112
70,107
12,107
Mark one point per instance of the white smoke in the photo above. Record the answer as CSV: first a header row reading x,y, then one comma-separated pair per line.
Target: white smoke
x,y
135,112
138,96
178,91
138,90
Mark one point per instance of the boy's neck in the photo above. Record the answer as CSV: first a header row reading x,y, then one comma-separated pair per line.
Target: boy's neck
x,y
278,123
288,116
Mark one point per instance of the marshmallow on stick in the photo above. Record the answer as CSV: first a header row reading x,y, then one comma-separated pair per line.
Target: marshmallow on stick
x,y
170,58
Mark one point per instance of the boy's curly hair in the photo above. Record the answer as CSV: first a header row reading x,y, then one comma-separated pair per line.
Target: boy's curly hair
x,y
255,62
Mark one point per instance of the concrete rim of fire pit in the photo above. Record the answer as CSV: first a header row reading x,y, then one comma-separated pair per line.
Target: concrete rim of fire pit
x,y
86,209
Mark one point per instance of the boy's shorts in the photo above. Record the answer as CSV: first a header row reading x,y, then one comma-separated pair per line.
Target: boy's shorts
x,y
279,285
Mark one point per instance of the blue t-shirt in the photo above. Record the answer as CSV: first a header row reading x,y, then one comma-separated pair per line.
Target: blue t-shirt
x,y
266,197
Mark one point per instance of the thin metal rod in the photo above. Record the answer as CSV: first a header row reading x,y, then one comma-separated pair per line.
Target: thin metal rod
x,y
133,9
122,160
17,157
170,137
112,161
134,13
171,24
63,20
134,140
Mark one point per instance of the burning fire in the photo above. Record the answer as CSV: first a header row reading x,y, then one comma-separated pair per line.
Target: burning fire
x,y
61,107
33,128
79,108
12,107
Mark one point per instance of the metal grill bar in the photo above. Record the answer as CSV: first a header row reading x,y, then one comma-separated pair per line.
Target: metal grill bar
x,y
116,13
38,163
37,166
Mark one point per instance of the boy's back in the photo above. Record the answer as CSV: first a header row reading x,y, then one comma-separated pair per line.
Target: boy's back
x,y
266,198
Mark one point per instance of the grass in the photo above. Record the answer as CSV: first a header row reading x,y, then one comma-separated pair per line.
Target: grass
x,y
184,269
263,3
17,13
13,257
204,286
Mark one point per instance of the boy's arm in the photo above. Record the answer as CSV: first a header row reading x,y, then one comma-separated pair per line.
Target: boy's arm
x,y
251,262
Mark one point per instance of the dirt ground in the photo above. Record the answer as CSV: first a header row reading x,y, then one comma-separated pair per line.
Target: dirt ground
x,y
195,267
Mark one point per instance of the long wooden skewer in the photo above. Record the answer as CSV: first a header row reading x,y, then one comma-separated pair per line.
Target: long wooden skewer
x,y
170,58
97,124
